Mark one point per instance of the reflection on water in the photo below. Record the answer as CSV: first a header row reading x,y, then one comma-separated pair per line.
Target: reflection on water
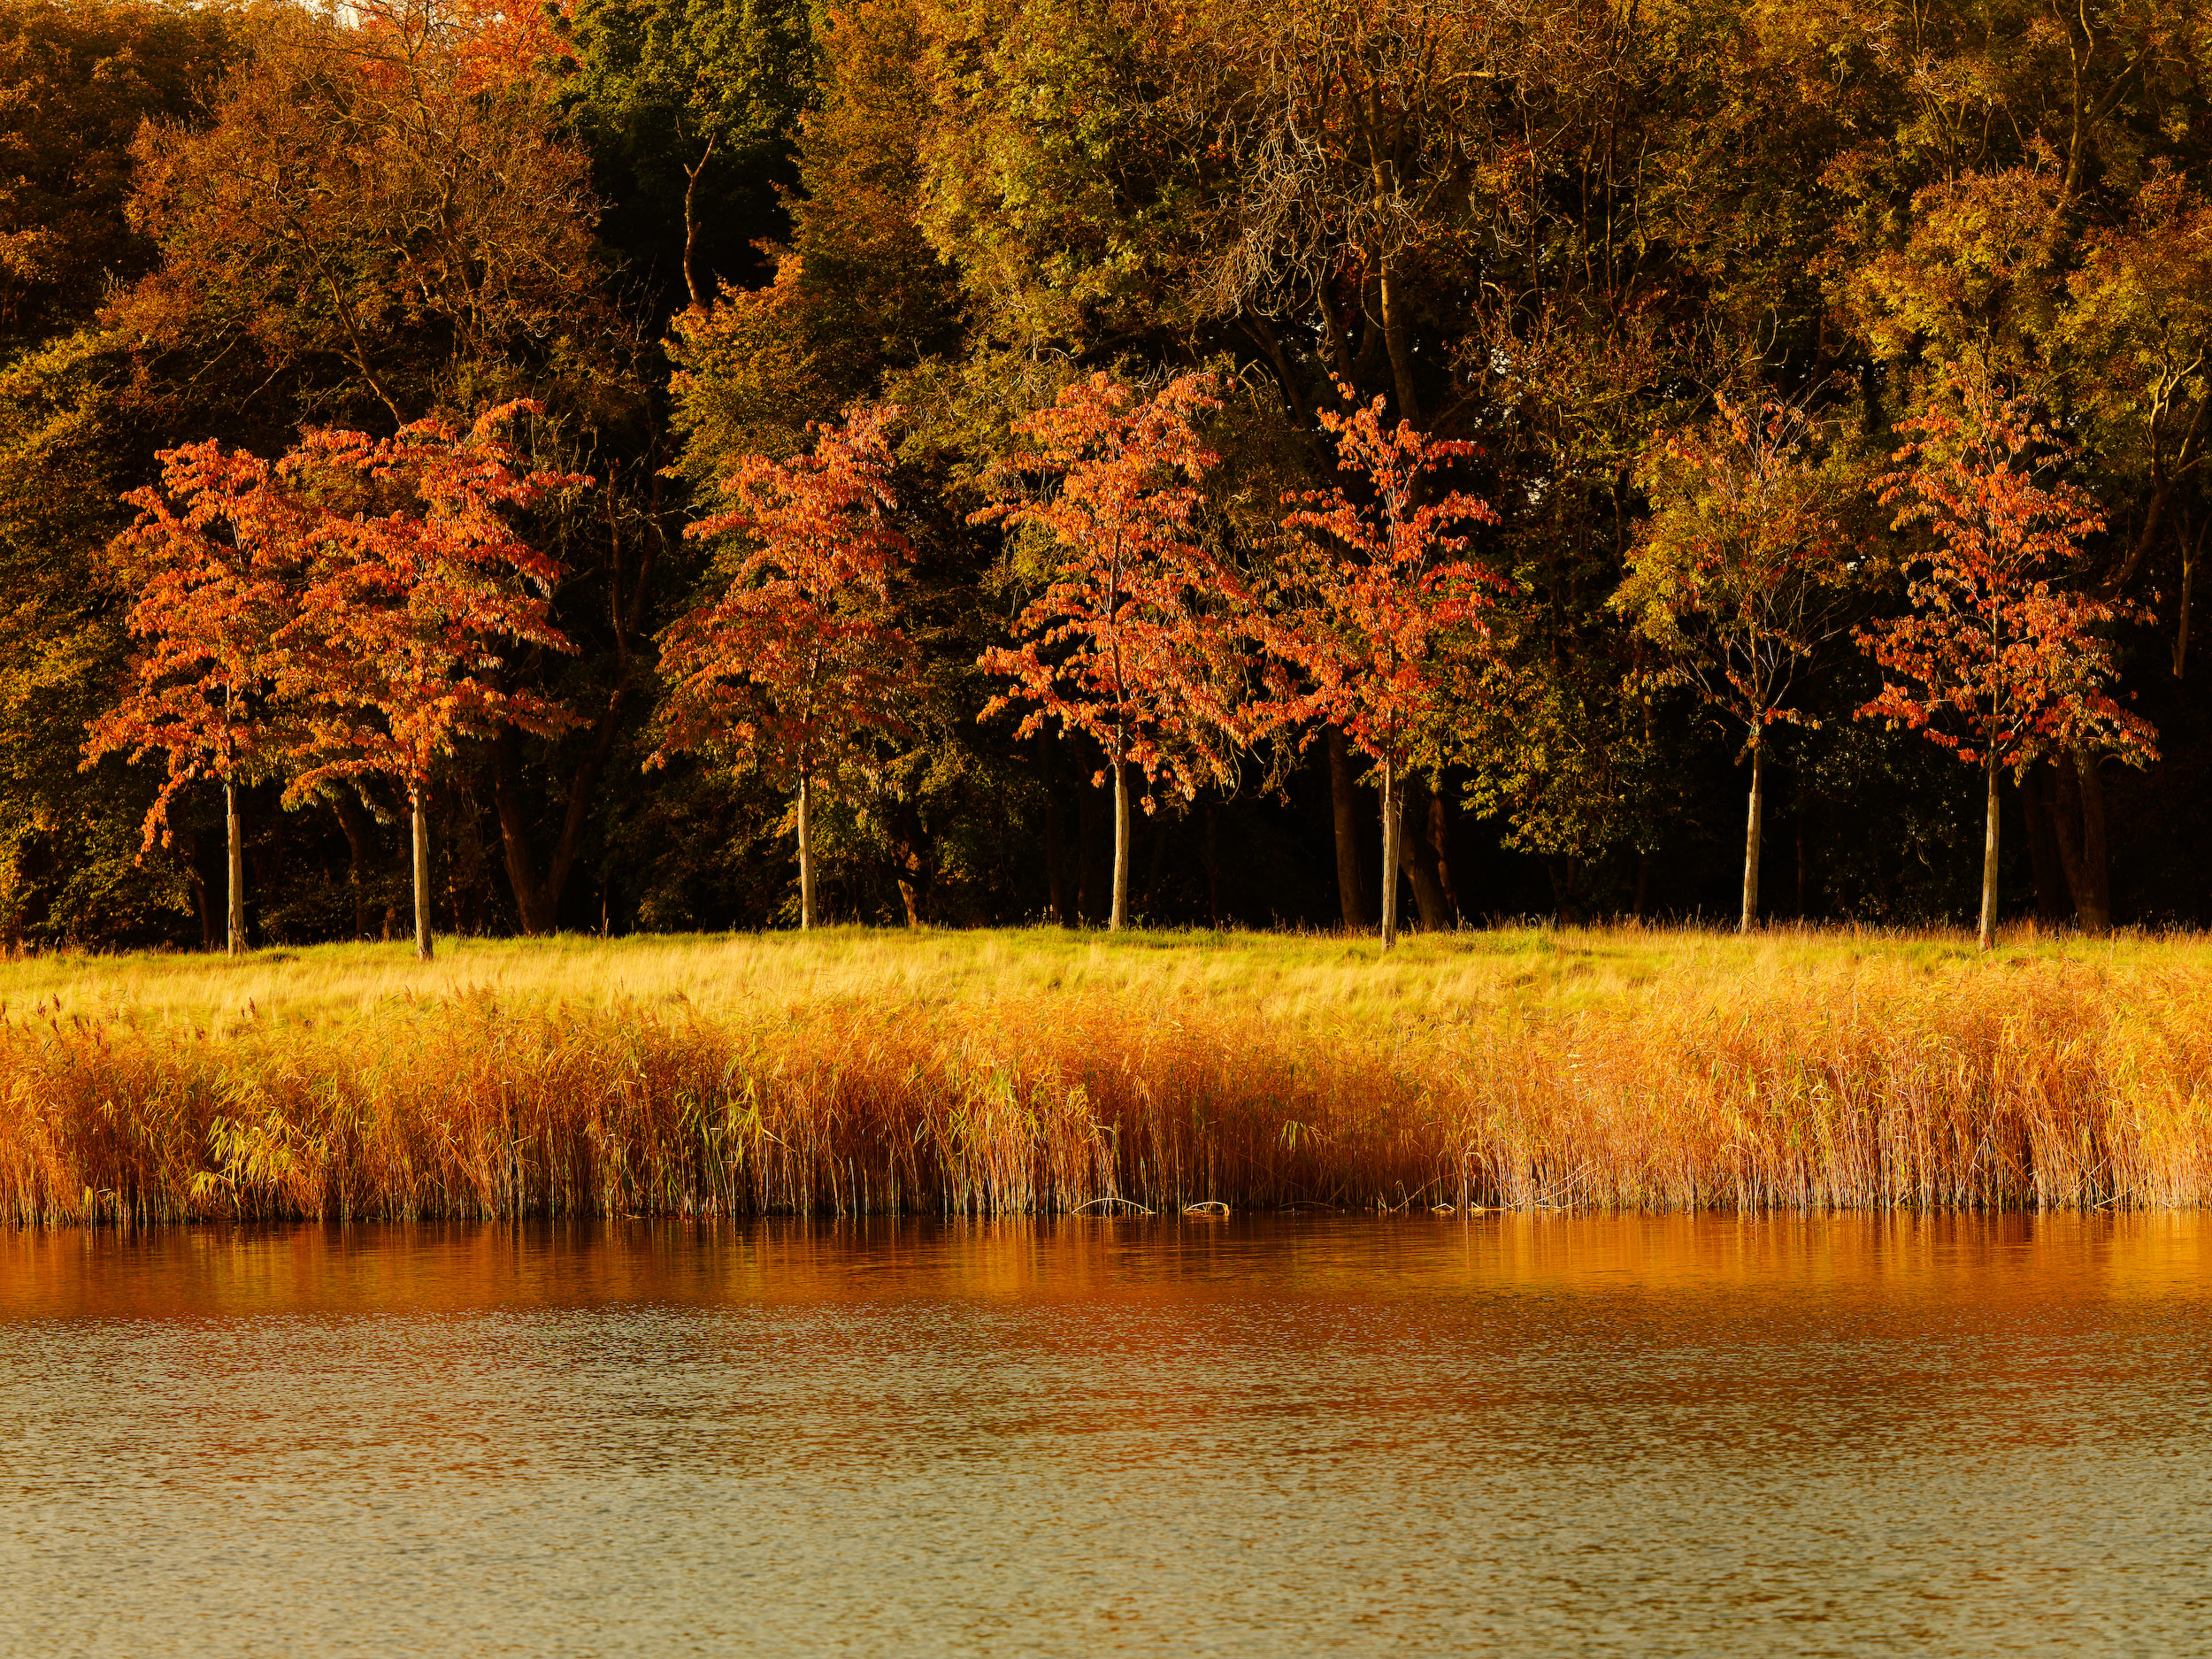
x,y
1542,1433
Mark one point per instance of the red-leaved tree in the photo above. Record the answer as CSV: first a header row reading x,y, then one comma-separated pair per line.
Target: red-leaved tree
x,y
1133,638
800,662
214,560
1994,661
1373,587
418,584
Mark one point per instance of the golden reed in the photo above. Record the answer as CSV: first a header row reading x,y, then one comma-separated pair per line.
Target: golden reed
x,y
2038,1087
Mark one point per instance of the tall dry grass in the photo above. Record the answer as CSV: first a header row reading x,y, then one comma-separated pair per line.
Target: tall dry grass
x,y
1010,1071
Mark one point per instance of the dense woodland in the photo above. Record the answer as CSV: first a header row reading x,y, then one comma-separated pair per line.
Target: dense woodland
x,y
1670,398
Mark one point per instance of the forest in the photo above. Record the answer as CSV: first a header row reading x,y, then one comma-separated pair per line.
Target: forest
x,y
669,465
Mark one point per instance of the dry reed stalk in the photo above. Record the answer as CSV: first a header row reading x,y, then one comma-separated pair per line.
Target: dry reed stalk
x,y
2040,1088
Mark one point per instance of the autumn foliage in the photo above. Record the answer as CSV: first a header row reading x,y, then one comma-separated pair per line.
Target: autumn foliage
x,y
391,203
418,589
1742,573
1996,661
216,559
800,662
1650,305
1376,590
341,611
1135,638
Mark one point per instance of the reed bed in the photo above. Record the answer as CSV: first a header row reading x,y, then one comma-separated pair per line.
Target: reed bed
x,y
1010,1072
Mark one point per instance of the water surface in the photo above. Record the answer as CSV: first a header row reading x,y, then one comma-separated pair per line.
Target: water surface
x,y
1534,1434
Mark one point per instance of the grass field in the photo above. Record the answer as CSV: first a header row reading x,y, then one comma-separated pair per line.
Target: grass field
x,y
1042,1070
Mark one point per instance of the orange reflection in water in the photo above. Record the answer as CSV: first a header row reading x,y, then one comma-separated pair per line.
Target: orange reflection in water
x,y
1641,1433
211,1271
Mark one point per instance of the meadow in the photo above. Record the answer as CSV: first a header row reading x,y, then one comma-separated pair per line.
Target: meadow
x,y
1046,1071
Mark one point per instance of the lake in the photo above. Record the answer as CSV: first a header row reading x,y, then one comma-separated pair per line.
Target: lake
x,y
1536,1433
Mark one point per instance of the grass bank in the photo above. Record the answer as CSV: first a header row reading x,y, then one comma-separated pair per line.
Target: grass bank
x,y
1021,1070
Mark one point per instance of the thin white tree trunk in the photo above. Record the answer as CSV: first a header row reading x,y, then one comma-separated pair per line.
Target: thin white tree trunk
x,y
236,838
1752,830
1989,864
1392,810
806,852
422,876
1120,918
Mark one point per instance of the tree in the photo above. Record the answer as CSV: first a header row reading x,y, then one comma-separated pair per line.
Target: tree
x,y
76,82
800,662
1133,638
415,584
2139,329
675,95
383,214
214,560
1740,575
1376,591
1994,662
1355,127
859,294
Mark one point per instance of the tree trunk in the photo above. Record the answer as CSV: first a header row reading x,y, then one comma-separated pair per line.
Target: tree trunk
x,y
1344,804
1440,839
1989,863
2094,902
916,869
2066,816
359,850
1397,341
1393,809
1055,863
538,899
1416,856
691,229
422,875
1162,835
2051,901
198,883
2190,552
806,852
1260,331
1213,870
1753,826
1565,875
1340,337
1120,918
531,895
1087,905
234,838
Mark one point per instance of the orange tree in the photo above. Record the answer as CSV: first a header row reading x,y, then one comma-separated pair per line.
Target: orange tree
x,y
800,662
1994,661
1133,638
416,584
382,205
1741,575
1372,593
214,560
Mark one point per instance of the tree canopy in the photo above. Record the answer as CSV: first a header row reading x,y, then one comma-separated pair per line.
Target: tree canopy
x,y
1677,289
